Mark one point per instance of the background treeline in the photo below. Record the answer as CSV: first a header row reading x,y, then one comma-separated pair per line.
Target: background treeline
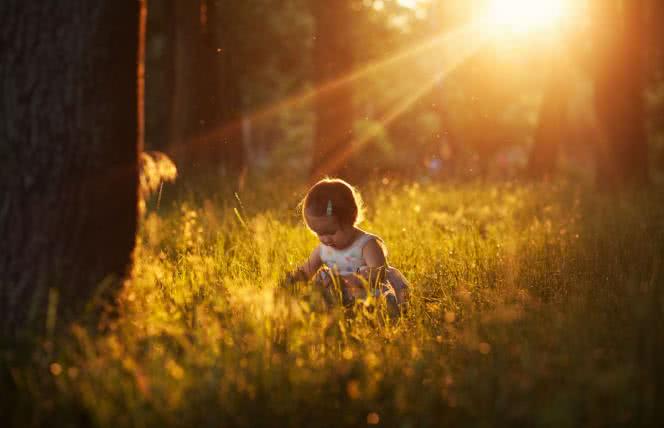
x,y
288,85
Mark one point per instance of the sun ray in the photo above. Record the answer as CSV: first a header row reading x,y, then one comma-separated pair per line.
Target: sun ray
x,y
440,45
472,40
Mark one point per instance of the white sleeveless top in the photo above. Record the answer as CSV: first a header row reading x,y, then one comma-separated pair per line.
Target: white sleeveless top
x,y
348,260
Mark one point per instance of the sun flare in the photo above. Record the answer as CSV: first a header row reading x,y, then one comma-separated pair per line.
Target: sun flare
x,y
524,16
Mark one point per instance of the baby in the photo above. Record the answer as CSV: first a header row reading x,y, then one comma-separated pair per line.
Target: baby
x,y
347,255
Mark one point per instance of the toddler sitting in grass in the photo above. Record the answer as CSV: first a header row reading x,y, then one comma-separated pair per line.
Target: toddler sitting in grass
x,y
348,259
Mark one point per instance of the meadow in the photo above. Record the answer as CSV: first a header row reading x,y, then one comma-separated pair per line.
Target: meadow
x,y
531,305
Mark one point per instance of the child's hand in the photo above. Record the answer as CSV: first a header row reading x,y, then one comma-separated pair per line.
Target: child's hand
x,y
353,280
364,272
323,278
371,275
294,277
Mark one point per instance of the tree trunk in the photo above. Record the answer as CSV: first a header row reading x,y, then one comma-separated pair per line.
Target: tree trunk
x,y
69,151
552,123
619,87
224,48
160,79
333,59
207,106
186,40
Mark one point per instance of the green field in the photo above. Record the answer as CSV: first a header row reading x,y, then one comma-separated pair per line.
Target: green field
x,y
531,305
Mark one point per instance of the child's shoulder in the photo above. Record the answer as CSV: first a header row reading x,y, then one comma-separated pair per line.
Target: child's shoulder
x,y
366,237
377,240
372,236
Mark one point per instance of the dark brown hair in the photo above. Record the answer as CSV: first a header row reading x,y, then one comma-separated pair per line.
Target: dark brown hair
x,y
345,202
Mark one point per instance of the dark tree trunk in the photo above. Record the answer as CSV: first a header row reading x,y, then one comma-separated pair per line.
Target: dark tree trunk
x,y
619,98
552,124
69,154
160,78
185,41
224,48
206,131
333,59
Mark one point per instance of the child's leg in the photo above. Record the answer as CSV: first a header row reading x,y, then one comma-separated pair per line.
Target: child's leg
x,y
386,291
399,283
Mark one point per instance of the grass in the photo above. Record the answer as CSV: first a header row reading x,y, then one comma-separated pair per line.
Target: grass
x,y
532,305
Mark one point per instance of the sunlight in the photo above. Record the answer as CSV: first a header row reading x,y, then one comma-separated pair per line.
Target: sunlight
x,y
524,16
410,4
503,17
442,41
456,53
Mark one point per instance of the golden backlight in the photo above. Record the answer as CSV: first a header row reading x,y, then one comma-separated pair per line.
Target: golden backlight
x,y
524,16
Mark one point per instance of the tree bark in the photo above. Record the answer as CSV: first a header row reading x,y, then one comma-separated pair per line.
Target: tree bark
x,y
69,155
619,87
333,59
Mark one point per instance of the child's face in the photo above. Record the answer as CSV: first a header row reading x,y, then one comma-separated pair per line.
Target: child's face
x,y
329,231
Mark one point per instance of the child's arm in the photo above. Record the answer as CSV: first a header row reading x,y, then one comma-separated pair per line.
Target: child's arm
x,y
374,258
306,270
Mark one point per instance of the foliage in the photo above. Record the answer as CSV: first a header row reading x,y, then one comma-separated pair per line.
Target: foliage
x,y
531,305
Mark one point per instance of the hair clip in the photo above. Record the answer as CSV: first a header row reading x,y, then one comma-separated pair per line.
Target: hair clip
x,y
328,212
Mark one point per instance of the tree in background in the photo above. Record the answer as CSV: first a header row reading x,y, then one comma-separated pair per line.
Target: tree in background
x,y
273,55
552,125
207,105
332,59
69,150
619,91
160,74
655,79
482,117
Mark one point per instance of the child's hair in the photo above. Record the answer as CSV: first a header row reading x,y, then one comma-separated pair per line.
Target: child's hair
x,y
334,197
